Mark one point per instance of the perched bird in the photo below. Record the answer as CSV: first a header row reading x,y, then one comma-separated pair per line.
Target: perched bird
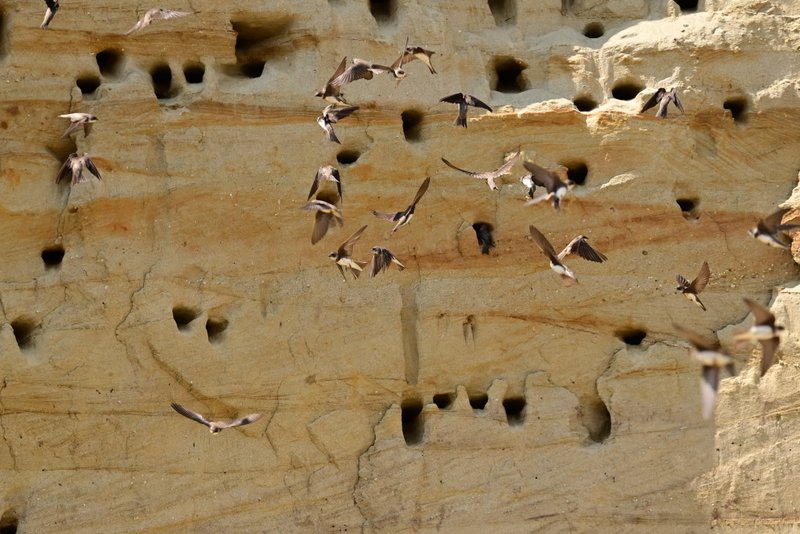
x,y
662,97
381,260
713,359
556,188
215,426
76,120
342,255
765,331
579,246
326,212
490,176
769,230
52,7
404,217
691,290
155,14
330,92
331,115
327,173
484,233
75,165
464,100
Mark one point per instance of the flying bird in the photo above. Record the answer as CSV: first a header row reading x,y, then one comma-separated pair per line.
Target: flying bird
x,y
215,426
382,258
52,7
662,97
331,115
75,165
325,214
765,331
484,233
331,92
490,176
770,230
529,184
342,255
155,14
360,70
691,290
76,120
327,173
464,100
579,246
404,217
556,188
713,359
410,53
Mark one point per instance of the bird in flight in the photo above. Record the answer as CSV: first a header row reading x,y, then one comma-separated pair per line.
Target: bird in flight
x,y
713,359
155,14
215,426
331,92
464,100
404,217
325,214
579,246
490,176
765,331
556,188
691,290
382,258
76,120
75,165
342,255
331,115
410,53
327,173
662,97
52,7
770,230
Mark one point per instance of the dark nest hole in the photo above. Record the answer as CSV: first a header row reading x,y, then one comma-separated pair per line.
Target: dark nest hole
x,y
183,316
478,402
411,415
252,69
503,11
738,107
593,30
585,103
24,329
687,6
444,400
194,72
88,84
3,32
577,171
257,40
626,90
597,420
110,61
631,336
412,125
688,208
215,326
484,232
383,11
515,410
162,81
509,76
348,157
53,256
9,522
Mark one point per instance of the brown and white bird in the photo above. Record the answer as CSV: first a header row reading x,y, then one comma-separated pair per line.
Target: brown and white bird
x,y
156,13
463,100
490,176
404,217
342,255
555,186
765,331
75,165
691,290
52,7
325,214
328,173
360,70
76,120
215,426
770,230
331,115
410,53
713,359
579,246
331,92
382,258
662,97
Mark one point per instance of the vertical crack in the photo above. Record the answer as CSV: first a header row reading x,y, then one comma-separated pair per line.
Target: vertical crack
x,y
408,324
131,357
3,428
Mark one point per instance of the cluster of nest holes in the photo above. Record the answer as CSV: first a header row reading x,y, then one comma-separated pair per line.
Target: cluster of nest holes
x,y
594,30
597,420
503,11
687,6
53,256
25,330
584,103
631,336
412,125
737,105
215,326
508,75
258,39
9,522
626,89
383,11
577,171
348,156
688,208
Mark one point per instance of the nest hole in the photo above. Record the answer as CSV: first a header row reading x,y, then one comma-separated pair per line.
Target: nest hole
x,y
515,410
183,316
688,208
631,336
687,6
194,72
478,402
738,108
503,11
215,326
348,157
53,256
3,33
594,30
24,329
88,84
110,61
585,103
509,77
626,90
444,400
484,233
252,69
383,11
577,171
412,125
597,420
411,415
9,522
161,76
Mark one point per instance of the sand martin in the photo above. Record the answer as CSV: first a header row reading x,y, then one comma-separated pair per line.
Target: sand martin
x,y
331,115
483,231
330,92
76,120
555,186
662,97
713,359
342,255
464,100
530,185
490,176
770,230
215,426
327,173
404,217
765,331
578,246
691,290
52,7
410,53
75,165
155,14
381,260
360,70
325,213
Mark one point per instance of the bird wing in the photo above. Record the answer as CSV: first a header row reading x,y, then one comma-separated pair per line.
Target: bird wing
x,y
168,14
417,52
379,261
90,165
191,414
771,223
458,168
317,205
653,100
699,283
357,71
246,420
457,98
322,221
683,283
768,348
542,241
708,389
421,191
505,168
339,71
677,100
141,23
334,114
472,101
48,17
385,216
542,177
318,178
698,341
580,246
346,248
762,315
64,170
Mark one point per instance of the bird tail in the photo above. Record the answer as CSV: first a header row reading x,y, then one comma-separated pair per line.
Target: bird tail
x,y
461,120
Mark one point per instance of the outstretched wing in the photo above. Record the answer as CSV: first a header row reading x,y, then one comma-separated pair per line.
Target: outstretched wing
x,y
168,14
421,191
386,216
191,414
346,248
472,101
683,283
458,168
580,246
768,348
505,168
246,420
65,169
653,100
762,315
699,342
699,283
541,176
457,98
542,241
334,114
90,165
359,70
677,100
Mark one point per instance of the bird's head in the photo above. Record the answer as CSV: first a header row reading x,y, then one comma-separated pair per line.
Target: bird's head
x,y
332,255
753,232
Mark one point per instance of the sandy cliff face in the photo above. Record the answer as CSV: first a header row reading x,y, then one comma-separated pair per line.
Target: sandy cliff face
x,y
464,392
